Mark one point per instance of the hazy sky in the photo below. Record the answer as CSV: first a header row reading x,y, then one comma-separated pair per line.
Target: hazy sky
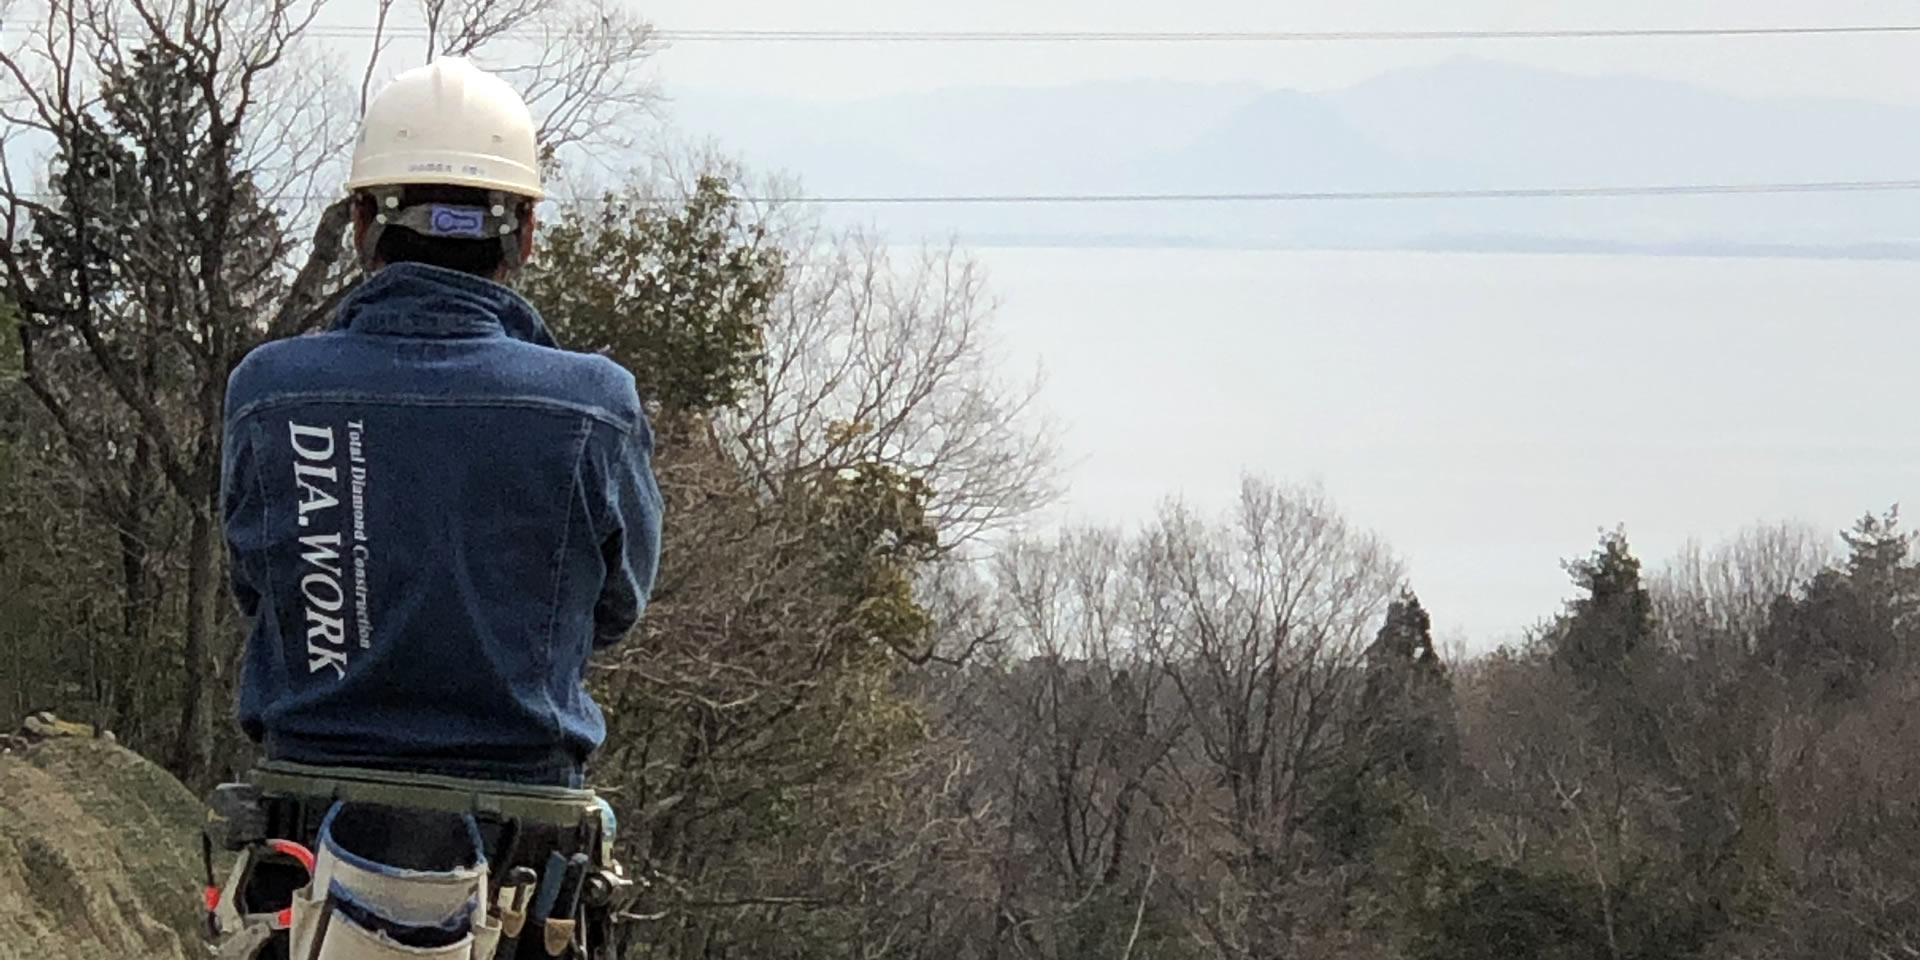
x,y
1500,492
1873,67
1487,414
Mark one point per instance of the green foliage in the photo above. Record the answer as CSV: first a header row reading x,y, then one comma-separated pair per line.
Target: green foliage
x,y
765,709
138,287
1459,905
1358,809
1854,623
10,368
679,299
767,717
1446,899
1877,562
13,397
1482,910
871,519
1402,742
145,188
1406,723
1605,644
1112,919
1607,630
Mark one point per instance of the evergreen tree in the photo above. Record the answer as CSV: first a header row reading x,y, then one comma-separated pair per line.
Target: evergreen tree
x,y
1853,623
1406,708
679,297
1608,631
140,286
1402,738
1605,645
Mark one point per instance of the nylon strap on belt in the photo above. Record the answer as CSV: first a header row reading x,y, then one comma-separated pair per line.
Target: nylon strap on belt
x,y
557,806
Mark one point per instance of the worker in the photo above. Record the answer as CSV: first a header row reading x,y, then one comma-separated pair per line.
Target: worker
x,y
435,514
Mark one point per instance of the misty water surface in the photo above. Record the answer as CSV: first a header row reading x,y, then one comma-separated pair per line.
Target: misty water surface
x,y
1486,413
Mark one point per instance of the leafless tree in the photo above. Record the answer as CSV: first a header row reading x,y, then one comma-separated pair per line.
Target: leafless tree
x,y
1269,613
139,275
1552,791
1714,602
1847,824
1079,730
750,680
872,361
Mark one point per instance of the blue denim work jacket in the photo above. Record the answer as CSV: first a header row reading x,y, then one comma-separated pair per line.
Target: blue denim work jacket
x,y
434,516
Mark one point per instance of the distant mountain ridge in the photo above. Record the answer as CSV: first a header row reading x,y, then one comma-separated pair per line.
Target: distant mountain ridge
x,y
1462,124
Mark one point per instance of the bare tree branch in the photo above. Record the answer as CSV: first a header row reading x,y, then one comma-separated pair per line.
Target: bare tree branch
x,y
379,49
309,298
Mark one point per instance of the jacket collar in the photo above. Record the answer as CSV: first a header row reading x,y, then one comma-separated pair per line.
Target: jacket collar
x,y
418,300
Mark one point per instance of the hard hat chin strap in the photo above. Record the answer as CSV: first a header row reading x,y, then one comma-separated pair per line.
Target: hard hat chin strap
x,y
454,221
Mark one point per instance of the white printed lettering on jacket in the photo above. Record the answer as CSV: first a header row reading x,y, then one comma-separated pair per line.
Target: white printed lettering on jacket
x,y
318,477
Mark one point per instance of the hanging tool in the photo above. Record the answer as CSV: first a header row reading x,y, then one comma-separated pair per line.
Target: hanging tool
x,y
552,878
513,915
561,919
509,845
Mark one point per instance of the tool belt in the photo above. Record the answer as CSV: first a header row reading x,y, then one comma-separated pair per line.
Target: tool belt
x,y
348,864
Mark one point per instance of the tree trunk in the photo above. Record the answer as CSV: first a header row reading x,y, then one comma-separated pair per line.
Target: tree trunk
x,y
193,739
123,704
120,702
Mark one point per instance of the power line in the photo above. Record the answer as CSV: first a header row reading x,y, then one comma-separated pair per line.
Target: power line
x,y
717,35
1836,186
1095,36
1648,190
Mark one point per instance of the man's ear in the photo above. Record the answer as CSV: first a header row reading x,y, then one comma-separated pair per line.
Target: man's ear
x,y
361,222
528,224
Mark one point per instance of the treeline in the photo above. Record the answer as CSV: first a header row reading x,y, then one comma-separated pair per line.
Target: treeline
x,y
1236,739
1207,757
852,724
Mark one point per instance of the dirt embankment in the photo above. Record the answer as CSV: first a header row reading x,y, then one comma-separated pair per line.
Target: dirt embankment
x,y
99,856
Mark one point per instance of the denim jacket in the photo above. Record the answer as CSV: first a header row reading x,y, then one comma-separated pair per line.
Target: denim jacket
x,y
434,516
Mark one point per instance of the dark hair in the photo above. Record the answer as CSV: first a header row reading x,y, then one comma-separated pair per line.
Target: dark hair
x,y
398,244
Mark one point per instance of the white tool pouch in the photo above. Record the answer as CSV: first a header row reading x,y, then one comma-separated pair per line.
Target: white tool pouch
x,y
391,883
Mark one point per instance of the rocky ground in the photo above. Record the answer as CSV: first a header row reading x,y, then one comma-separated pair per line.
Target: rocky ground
x,y
99,854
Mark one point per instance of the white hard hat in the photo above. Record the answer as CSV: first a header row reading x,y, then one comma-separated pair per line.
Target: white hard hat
x,y
448,122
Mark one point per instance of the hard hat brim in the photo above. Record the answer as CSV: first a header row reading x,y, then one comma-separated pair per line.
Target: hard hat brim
x,y
445,179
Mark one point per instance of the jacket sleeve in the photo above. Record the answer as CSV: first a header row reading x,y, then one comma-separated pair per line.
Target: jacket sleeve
x,y
630,535
236,484
239,511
